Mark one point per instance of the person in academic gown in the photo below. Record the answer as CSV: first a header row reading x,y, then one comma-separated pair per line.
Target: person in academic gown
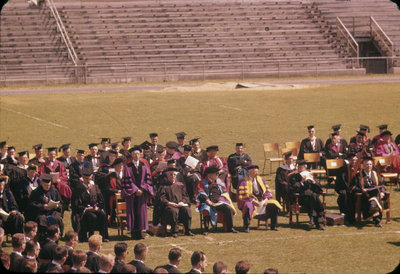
x,y
181,139
335,150
386,147
309,190
77,167
38,204
94,157
311,144
136,190
25,186
213,160
154,145
237,163
212,196
172,151
52,165
282,178
373,195
175,203
191,176
114,185
197,152
253,190
66,158
126,145
361,142
15,221
88,209
39,157
338,130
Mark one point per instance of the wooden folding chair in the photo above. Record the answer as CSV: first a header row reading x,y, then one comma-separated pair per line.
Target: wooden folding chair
x,y
270,148
382,162
331,166
312,158
296,209
121,213
293,145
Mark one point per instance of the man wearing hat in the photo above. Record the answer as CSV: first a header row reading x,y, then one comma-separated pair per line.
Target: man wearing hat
x,y
172,151
311,144
126,145
175,203
282,178
213,160
23,160
363,129
378,137
66,158
3,150
114,182
335,150
154,144
337,129
39,157
181,139
94,157
77,167
237,163
197,152
15,221
386,147
373,195
58,171
137,188
191,174
88,209
361,143
309,190
213,198
254,199
45,205
23,189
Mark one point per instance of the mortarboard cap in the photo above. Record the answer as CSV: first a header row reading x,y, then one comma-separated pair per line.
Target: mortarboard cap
x,y
126,139
45,178
152,135
301,162
351,155
144,146
80,151
113,145
180,135
160,149
92,145
336,127
105,140
37,147
368,159
11,147
86,172
239,144
310,127
382,127
252,167
2,144
32,167
187,148
117,161
191,142
23,153
364,128
135,148
50,149
287,154
171,169
360,133
171,144
386,132
64,147
211,170
334,134
212,148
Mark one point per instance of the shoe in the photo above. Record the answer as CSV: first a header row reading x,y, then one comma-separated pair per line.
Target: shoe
x,y
320,227
189,233
175,235
274,228
234,230
205,233
247,230
378,224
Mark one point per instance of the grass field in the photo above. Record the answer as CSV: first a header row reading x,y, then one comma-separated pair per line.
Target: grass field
x,y
222,115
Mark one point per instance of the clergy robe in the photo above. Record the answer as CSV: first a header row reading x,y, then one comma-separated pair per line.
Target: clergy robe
x,y
386,149
175,193
247,192
62,186
39,197
136,178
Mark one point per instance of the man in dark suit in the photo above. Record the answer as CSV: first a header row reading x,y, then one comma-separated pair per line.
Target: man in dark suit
x,y
71,240
140,251
78,260
199,262
174,257
59,256
49,244
92,262
120,250
17,261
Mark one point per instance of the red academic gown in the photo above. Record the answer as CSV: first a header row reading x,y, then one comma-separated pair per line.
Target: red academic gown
x,y
384,149
62,187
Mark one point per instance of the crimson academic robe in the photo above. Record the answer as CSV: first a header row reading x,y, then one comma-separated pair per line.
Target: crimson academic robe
x,y
386,149
59,167
136,206
335,151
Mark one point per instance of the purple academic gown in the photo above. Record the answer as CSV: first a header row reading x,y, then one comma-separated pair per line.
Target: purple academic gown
x,y
136,207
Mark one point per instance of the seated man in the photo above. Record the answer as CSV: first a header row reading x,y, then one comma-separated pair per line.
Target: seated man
x,y
237,163
213,160
88,209
11,219
386,147
66,157
197,152
172,151
212,196
25,186
373,194
44,205
338,130
77,167
17,261
377,139
361,143
309,190
49,244
39,157
281,177
175,203
335,150
253,193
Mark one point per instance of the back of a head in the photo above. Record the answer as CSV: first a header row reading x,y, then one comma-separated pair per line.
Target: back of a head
x,y
242,267
120,248
59,253
220,267
197,257
106,261
174,254
160,270
18,239
128,268
30,246
31,266
78,256
139,248
95,241
70,235
270,271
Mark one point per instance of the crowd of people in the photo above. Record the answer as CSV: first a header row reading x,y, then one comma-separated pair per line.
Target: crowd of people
x,y
37,190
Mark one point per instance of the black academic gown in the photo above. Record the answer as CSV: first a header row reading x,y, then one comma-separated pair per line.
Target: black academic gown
x,y
237,175
14,223
306,147
282,182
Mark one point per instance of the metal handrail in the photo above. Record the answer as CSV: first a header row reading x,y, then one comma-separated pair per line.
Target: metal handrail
x,y
63,32
375,27
351,42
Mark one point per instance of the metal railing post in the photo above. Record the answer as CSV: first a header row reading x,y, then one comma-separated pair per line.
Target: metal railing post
x,y
204,71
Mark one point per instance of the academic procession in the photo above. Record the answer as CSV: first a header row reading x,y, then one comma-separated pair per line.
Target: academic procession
x,y
153,189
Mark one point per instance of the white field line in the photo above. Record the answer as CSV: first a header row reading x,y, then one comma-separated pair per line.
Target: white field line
x,y
35,118
228,107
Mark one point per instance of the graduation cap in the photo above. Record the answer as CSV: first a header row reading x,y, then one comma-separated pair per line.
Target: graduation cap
x,y
211,170
360,133
135,148
382,127
152,135
32,167
125,139
114,145
336,127
288,154
386,132
171,169
117,162
50,149
310,127
368,159
23,153
145,145
64,147
11,147
103,140
37,147
301,162
364,128
252,167
171,144
334,134
212,148
187,148
80,151
180,135
191,142
92,145
239,144
160,149
2,144
171,161
45,178
113,152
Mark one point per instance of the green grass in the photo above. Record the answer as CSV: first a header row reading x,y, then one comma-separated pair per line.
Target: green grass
x,y
224,116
